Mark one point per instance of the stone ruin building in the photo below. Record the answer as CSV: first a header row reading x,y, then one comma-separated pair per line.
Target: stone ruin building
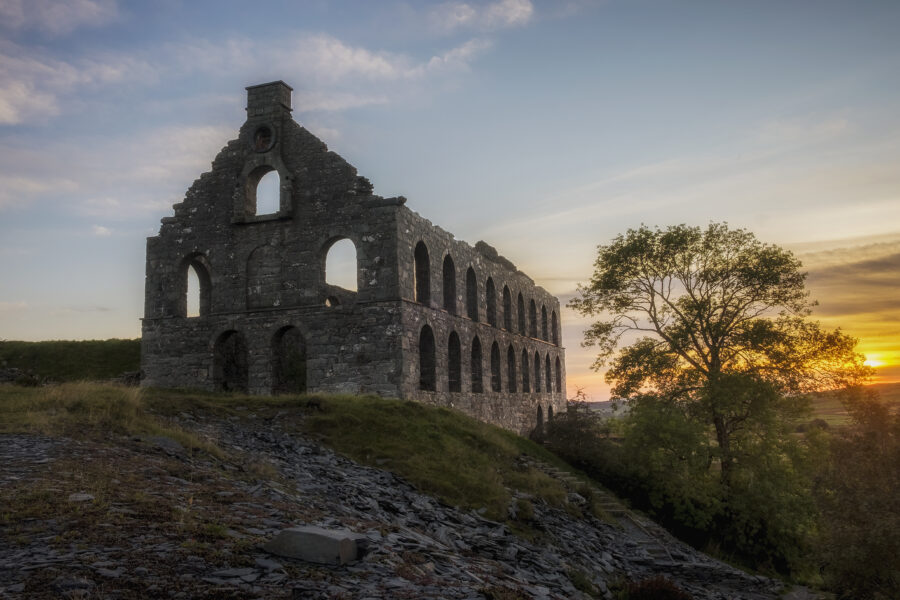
x,y
432,318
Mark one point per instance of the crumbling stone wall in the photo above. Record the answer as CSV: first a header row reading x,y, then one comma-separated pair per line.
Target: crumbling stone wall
x,y
270,323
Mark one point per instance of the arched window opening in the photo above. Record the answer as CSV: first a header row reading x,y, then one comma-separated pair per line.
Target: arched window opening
x,y
288,362
554,321
537,373
550,414
426,360
526,376
230,370
507,309
197,290
475,367
422,274
496,385
454,366
268,193
332,301
511,369
341,267
558,376
193,292
544,335
449,285
471,294
548,387
539,429
491,301
195,299
520,308
532,319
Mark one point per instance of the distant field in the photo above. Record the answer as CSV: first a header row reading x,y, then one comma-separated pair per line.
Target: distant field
x,y
72,361
830,409
824,406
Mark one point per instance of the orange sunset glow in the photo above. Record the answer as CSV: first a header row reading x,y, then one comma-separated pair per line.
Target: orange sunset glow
x,y
856,283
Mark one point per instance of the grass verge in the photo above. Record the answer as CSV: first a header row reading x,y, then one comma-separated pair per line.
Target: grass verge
x,y
88,410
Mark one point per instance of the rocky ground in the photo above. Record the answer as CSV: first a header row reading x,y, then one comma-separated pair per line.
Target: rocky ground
x,y
145,518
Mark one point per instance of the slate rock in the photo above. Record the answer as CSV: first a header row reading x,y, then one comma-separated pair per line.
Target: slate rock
x,y
317,545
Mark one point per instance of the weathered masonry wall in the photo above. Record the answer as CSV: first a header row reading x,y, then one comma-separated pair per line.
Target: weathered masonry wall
x,y
270,322
475,303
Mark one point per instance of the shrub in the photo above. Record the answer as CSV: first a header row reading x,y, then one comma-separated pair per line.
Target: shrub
x,y
857,494
656,588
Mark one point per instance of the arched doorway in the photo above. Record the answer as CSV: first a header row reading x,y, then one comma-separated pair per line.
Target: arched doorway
x,y
230,362
288,362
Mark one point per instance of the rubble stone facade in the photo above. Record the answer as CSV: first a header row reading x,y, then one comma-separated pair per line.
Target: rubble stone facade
x,y
432,318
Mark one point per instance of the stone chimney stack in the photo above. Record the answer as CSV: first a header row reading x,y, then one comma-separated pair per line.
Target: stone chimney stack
x,y
269,100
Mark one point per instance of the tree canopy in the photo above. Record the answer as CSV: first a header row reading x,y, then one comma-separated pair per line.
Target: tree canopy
x,y
716,322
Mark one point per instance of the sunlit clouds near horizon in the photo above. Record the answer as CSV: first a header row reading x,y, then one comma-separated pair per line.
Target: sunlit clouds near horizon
x,y
543,127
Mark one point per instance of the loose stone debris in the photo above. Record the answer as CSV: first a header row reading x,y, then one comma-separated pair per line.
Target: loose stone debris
x,y
183,526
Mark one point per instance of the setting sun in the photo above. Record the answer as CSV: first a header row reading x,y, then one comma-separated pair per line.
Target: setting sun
x,y
874,362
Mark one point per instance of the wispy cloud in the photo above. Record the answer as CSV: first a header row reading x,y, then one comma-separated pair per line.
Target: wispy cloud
x,y
127,176
857,286
862,284
56,16
335,74
36,86
32,84
320,100
802,130
18,190
785,189
101,231
502,14
329,61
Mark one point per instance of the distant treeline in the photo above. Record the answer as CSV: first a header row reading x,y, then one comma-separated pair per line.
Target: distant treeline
x,y
66,360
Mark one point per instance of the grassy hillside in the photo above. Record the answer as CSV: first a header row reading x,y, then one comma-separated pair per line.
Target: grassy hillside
x,y
460,460
72,361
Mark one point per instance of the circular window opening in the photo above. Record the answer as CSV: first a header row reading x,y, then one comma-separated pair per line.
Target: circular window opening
x,y
263,139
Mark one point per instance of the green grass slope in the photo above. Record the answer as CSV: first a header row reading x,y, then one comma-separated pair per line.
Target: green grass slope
x,y
63,360
459,460
443,452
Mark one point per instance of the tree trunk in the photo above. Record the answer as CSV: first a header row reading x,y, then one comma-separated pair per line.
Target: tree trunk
x,y
723,439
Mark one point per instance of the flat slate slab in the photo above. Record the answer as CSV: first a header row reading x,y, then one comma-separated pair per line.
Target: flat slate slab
x,y
317,545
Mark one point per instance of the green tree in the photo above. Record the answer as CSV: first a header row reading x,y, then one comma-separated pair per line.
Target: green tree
x,y
724,331
705,332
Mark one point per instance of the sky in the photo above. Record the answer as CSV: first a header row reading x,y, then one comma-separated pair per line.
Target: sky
x,y
545,128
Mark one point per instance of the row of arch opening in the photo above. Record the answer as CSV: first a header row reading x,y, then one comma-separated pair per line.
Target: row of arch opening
x,y
508,370
288,364
545,327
